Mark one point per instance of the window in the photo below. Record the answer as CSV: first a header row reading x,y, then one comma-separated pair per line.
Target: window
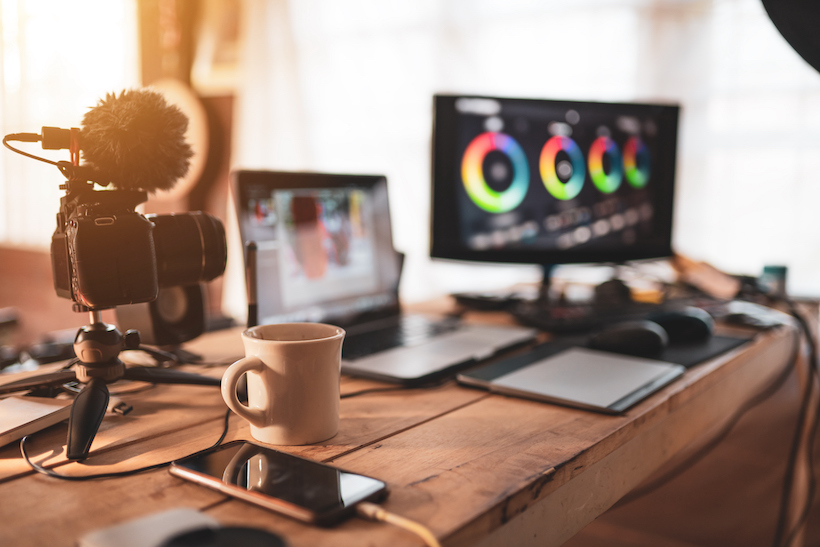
x,y
57,59
347,86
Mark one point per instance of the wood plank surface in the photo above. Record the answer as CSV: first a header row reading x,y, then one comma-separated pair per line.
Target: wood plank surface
x,y
467,473
611,471
504,447
368,418
166,409
471,466
158,410
169,422
729,496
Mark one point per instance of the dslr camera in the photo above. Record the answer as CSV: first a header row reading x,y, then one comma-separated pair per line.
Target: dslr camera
x,y
105,254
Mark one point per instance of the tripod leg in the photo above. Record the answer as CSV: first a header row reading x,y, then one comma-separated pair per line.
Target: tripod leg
x,y
87,413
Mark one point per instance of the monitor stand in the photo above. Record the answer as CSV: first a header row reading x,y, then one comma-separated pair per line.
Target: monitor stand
x,y
546,283
611,302
609,296
612,292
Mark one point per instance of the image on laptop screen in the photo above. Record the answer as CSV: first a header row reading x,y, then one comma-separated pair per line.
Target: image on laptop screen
x,y
324,243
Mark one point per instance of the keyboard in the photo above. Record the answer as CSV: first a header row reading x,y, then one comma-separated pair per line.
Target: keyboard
x,y
405,331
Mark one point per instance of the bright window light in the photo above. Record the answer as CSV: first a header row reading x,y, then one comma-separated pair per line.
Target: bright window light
x,y
58,58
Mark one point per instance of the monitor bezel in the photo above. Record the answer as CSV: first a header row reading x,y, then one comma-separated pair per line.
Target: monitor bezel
x,y
445,242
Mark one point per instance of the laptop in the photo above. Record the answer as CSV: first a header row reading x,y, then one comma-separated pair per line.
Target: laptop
x,y
325,254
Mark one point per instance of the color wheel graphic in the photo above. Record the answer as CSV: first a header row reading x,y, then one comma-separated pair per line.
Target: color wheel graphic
x,y
606,183
636,162
472,172
558,189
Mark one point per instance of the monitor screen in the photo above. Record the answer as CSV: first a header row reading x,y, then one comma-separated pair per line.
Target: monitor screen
x,y
325,247
552,182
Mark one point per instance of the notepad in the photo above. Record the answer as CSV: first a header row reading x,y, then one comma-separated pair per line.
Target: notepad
x,y
575,376
21,416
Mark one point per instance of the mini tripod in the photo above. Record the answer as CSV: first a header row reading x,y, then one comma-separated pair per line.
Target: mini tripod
x,y
97,364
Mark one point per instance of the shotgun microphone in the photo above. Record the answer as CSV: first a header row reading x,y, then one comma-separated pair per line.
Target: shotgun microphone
x,y
134,141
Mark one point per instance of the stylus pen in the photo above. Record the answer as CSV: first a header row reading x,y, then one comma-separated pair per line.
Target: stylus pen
x,y
250,279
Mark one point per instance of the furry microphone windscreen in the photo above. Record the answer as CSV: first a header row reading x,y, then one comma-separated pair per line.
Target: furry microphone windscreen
x,y
136,141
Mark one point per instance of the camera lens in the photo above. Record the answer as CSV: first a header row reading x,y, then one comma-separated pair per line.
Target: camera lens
x,y
190,248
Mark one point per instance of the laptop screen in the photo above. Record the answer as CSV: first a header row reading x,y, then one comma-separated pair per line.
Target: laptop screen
x,y
325,247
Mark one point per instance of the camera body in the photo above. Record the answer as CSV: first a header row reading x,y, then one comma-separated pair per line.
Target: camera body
x,y
105,254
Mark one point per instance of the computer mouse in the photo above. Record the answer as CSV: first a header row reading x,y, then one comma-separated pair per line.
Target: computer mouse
x,y
685,326
638,338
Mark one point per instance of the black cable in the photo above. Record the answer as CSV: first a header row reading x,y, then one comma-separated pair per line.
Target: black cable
x,y
767,392
73,388
794,453
73,361
40,469
429,385
812,483
372,390
803,416
223,363
16,136
812,487
160,356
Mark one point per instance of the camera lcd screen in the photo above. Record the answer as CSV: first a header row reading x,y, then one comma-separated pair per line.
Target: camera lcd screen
x,y
319,488
552,182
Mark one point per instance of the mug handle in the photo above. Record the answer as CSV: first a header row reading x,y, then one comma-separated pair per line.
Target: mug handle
x,y
255,416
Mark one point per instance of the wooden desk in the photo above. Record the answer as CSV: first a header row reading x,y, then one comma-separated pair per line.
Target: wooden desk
x,y
473,467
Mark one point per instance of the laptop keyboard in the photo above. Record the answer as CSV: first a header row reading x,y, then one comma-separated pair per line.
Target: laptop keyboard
x,y
409,330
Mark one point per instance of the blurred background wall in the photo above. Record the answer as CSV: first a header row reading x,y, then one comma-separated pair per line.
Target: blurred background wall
x,y
346,86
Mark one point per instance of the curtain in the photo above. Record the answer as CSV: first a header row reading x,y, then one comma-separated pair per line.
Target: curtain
x,y
346,86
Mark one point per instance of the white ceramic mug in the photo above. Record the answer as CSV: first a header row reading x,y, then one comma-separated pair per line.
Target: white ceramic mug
x,y
293,382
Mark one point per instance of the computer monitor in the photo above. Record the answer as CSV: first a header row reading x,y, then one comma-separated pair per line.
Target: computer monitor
x,y
552,182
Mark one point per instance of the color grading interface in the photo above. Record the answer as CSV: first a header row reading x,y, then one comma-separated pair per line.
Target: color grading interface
x,y
560,175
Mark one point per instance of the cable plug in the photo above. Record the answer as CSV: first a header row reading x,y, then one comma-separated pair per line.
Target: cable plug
x,y
371,511
118,406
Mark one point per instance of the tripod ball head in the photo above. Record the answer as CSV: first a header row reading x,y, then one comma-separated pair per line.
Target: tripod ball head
x,y
98,343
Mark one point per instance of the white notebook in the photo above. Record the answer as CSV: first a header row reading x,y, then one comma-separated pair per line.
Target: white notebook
x,y
579,377
21,416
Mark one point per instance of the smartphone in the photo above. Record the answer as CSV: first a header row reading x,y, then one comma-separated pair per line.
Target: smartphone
x,y
297,487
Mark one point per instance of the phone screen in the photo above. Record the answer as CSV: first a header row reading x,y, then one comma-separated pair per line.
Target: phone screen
x,y
320,489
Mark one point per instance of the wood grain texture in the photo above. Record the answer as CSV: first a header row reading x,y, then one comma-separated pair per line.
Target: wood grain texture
x,y
495,457
658,432
471,466
731,496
